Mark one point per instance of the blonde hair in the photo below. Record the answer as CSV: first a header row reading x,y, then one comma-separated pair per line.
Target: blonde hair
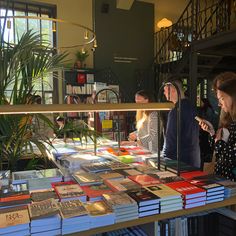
x,y
142,115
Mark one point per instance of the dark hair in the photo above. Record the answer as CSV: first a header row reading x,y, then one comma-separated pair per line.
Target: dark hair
x,y
229,87
143,93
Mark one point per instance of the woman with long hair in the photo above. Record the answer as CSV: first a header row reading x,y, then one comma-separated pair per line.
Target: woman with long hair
x,y
146,134
225,137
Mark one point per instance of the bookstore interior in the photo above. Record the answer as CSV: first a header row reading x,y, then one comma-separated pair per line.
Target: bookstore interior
x,y
68,162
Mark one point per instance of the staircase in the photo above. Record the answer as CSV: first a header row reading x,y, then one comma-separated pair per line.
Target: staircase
x,y
195,45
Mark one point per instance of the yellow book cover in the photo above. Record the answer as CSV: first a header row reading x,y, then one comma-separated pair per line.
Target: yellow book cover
x,y
14,216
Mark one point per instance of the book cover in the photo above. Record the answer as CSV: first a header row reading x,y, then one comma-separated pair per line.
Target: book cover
x,y
143,197
43,195
96,167
23,176
95,191
115,165
14,216
118,152
208,185
111,175
121,184
144,179
69,191
192,174
187,189
72,208
119,200
54,174
127,172
43,209
87,178
98,208
14,192
163,191
53,184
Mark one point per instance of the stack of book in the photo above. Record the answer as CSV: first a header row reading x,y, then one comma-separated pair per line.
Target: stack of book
x,y
94,192
37,179
230,188
168,177
124,207
14,195
69,191
75,217
60,152
121,185
127,172
38,196
214,191
96,167
86,179
148,203
144,179
170,200
111,175
193,196
15,221
45,218
116,165
74,161
100,214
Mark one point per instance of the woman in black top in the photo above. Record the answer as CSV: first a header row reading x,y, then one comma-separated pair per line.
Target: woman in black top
x,y
225,138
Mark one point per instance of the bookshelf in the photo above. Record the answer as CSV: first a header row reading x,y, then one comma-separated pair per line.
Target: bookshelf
x,y
154,218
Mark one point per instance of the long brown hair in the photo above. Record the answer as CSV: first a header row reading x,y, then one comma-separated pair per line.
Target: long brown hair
x,y
229,87
225,118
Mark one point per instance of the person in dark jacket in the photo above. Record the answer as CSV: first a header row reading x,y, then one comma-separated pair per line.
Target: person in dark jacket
x,y
189,146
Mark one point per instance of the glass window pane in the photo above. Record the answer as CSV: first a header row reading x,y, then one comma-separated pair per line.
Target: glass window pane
x,y
20,25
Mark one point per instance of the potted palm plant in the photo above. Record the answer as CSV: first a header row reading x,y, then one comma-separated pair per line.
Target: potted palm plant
x,y
20,65
81,56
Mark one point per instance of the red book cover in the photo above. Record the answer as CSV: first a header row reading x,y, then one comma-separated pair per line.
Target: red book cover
x,y
192,174
62,183
187,190
96,190
144,180
81,78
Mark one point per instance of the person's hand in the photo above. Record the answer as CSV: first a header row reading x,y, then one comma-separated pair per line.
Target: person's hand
x,y
132,136
207,126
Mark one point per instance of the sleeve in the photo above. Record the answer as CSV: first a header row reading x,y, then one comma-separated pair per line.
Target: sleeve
x,y
228,150
169,147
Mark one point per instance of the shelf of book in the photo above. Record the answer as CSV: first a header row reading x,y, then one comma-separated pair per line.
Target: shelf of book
x,y
153,218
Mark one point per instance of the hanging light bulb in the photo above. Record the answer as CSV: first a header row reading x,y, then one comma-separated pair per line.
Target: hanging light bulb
x,y
83,51
8,24
95,43
86,34
54,27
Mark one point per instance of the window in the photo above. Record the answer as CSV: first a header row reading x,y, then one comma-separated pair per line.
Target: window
x,y
15,27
